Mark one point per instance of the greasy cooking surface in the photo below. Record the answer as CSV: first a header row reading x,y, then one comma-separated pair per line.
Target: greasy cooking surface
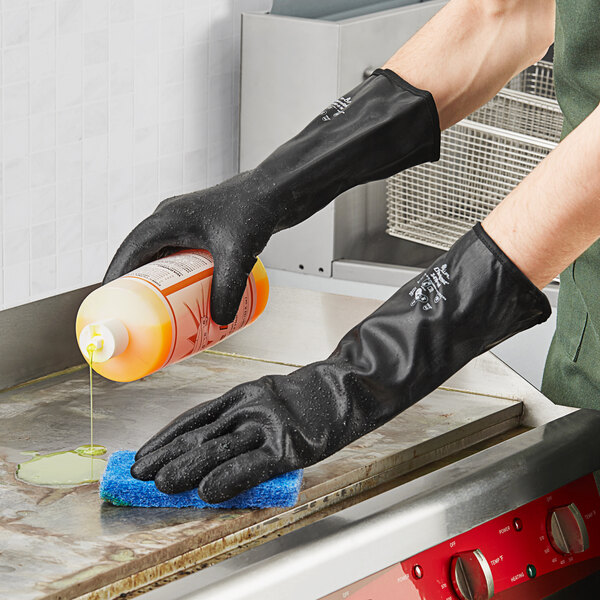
x,y
66,539
65,542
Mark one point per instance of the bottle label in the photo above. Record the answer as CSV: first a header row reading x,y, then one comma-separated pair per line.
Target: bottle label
x,y
183,281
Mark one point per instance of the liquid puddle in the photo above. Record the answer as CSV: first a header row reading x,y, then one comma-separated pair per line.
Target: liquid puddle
x,y
71,467
61,468
91,450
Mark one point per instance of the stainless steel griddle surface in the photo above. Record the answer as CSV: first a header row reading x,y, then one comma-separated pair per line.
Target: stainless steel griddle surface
x,y
64,542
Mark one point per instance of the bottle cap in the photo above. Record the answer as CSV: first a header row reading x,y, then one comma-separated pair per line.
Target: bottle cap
x,y
109,338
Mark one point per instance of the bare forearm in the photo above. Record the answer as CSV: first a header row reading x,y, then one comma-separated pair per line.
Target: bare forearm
x,y
471,48
553,216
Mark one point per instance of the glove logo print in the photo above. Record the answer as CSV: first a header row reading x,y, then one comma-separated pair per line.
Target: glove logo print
x,y
336,109
429,288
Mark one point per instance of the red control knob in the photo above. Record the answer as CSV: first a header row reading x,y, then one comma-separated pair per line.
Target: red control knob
x,y
567,531
471,576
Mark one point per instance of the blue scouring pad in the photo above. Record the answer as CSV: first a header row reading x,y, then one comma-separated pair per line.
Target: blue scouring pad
x,y
119,487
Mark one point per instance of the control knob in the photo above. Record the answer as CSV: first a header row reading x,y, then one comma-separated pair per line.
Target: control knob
x,y
471,576
567,531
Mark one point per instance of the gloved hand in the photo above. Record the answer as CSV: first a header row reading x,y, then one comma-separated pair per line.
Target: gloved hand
x,y
469,300
382,126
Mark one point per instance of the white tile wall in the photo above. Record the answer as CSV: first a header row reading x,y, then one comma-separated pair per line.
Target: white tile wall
x,y
106,107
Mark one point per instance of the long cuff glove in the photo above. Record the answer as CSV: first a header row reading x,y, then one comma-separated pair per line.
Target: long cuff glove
x,y
469,300
382,126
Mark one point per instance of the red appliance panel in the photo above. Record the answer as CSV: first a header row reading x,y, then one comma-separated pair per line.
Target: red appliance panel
x,y
516,546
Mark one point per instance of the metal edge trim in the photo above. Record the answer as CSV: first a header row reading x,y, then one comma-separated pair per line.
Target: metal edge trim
x,y
38,338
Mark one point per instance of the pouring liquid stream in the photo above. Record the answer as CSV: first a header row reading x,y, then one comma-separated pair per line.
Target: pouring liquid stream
x,y
71,467
90,449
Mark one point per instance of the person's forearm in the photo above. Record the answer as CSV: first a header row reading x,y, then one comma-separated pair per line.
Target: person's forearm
x,y
471,48
553,215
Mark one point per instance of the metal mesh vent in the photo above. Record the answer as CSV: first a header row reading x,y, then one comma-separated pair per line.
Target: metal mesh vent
x,y
482,159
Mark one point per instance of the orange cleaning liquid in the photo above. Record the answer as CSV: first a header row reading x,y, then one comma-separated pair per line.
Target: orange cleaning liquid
x,y
159,314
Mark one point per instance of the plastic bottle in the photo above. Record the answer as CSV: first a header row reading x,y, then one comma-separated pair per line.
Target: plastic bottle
x,y
159,314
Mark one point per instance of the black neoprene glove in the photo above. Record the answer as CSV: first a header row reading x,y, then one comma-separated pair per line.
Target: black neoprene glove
x,y
469,300
381,127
